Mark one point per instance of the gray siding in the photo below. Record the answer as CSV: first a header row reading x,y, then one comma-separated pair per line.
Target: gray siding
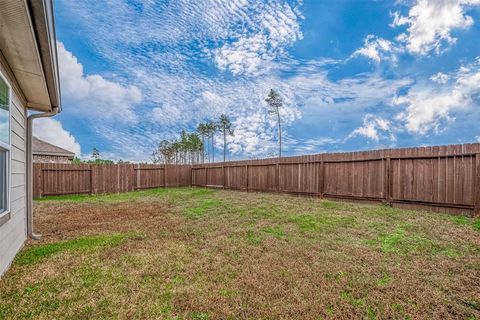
x,y
13,232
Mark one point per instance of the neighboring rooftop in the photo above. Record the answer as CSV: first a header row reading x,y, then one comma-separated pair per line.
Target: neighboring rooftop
x,y
41,147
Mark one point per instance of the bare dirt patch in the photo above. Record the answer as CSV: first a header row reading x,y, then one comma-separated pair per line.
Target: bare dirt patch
x,y
64,220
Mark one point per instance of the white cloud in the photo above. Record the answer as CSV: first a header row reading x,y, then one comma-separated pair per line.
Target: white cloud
x,y
440,78
177,96
377,49
253,49
374,128
308,146
255,129
430,23
93,94
429,26
252,131
168,49
167,114
52,131
428,107
243,56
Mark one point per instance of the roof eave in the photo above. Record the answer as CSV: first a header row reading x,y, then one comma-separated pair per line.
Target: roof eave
x,y
43,21
66,155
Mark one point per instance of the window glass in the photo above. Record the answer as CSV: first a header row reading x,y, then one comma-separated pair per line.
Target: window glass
x,y
4,112
4,142
3,180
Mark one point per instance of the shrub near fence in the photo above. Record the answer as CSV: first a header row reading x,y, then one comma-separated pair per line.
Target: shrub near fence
x,y
60,179
443,178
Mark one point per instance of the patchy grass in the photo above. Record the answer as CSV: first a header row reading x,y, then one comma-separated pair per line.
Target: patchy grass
x,y
274,232
203,207
36,254
461,220
192,253
107,198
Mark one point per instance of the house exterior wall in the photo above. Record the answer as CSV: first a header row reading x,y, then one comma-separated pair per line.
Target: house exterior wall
x,y
13,231
50,159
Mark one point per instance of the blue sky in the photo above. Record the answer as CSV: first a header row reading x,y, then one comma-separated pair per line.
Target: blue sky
x,y
354,75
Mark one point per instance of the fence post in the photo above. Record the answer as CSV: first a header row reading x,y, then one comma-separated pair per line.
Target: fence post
x,y
92,180
278,177
40,180
476,183
223,168
192,183
299,178
206,176
387,181
322,179
246,175
165,175
136,174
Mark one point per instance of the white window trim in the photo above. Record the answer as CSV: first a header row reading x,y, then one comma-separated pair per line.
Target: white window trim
x,y
7,147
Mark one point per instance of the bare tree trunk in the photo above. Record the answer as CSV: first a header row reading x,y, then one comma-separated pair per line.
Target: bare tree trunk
x,y
279,133
224,145
213,150
208,149
203,149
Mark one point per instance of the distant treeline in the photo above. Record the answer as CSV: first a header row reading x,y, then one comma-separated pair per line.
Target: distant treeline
x,y
194,147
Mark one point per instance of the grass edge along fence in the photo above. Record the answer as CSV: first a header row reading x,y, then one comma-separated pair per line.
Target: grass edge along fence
x,y
440,178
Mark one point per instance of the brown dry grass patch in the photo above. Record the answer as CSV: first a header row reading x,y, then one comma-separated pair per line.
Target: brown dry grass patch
x,y
204,254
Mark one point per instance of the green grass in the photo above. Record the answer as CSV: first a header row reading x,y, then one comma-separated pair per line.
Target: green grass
x,y
384,280
462,220
405,240
253,237
274,232
202,208
107,198
194,253
36,254
321,221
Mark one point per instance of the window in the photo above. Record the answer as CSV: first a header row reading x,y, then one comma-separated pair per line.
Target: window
x,y
4,143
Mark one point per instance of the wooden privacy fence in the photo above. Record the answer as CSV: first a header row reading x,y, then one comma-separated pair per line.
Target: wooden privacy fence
x,y
61,179
444,178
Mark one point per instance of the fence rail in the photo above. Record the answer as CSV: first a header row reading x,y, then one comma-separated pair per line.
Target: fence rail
x,y
445,178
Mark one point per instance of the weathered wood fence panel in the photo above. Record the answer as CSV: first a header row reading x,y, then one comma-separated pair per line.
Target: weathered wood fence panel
x,y
214,176
262,177
75,179
236,177
441,180
149,176
444,178
178,176
112,178
60,179
361,179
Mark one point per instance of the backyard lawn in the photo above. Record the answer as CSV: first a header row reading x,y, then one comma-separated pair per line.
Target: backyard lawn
x,y
214,254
